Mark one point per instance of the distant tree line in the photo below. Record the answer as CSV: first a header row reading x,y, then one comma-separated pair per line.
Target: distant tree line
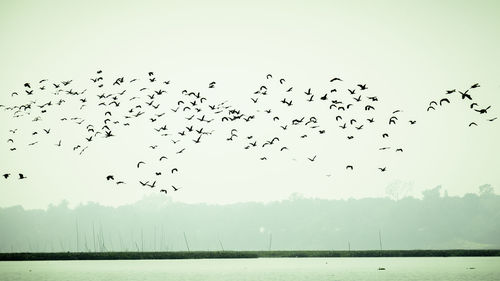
x,y
155,224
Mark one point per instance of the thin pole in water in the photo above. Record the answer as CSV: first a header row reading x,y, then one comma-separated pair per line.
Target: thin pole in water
x,y
222,247
93,235
185,239
380,240
77,238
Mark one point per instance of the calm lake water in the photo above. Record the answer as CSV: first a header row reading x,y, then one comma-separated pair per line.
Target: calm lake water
x,y
453,269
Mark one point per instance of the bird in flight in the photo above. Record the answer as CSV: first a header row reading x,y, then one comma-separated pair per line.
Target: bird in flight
x,y
312,159
443,100
483,110
362,86
465,95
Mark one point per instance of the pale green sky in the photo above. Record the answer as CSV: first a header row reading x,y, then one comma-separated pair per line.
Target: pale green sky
x,y
407,52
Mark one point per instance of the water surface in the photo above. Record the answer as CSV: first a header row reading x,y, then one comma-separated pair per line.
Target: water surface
x,y
342,269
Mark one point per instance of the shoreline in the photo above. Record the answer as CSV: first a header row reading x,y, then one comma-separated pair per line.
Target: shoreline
x,y
244,254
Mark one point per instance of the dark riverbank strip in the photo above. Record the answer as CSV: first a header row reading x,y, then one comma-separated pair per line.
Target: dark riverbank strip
x,y
243,254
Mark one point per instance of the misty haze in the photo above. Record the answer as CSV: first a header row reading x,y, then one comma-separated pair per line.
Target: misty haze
x,y
155,224
255,140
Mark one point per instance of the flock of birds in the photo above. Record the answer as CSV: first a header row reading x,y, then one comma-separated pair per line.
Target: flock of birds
x,y
181,119
466,98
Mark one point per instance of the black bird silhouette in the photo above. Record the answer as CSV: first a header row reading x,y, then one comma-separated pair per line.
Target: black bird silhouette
x,y
444,100
312,159
335,79
164,190
483,110
472,123
382,169
362,87
6,176
465,95
110,177
139,163
349,167
450,91
175,188
21,176
475,86
412,121
492,119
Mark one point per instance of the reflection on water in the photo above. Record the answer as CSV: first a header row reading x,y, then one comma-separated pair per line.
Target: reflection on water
x,y
451,268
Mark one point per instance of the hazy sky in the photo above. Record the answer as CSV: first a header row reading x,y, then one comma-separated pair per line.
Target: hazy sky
x,y
407,52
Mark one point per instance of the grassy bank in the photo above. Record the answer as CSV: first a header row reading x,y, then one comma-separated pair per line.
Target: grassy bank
x,y
242,254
